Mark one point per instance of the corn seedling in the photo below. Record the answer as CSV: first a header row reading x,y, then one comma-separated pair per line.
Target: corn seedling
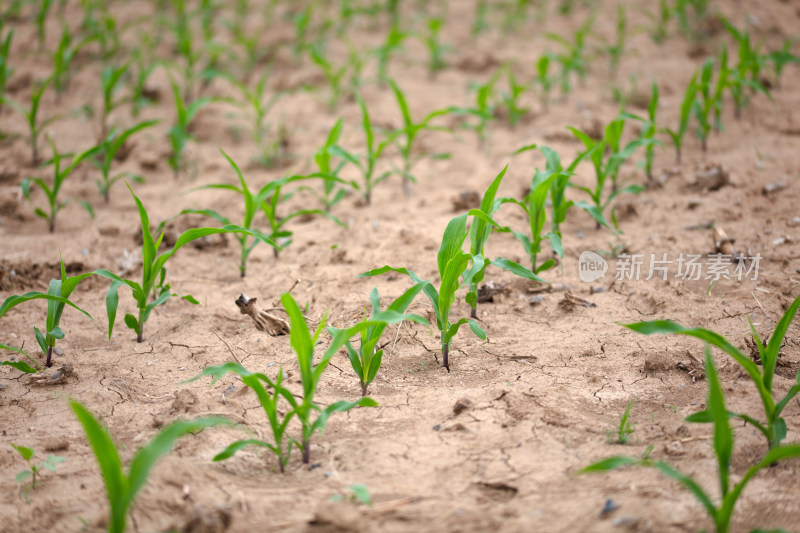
x,y
649,130
143,64
774,428
302,22
258,106
42,9
616,49
746,74
689,23
408,133
5,68
269,397
51,192
544,80
660,21
62,60
366,163
484,108
432,41
535,207
13,301
705,103
109,81
34,471
62,288
510,100
607,170
31,115
573,58
622,435
479,234
154,272
179,133
687,105
723,442
480,23
103,28
334,76
452,264
303,343
121,487
251,205
323,158
366,361
779,59
392,44
108,151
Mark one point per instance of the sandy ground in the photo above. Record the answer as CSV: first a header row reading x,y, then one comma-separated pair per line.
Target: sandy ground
x,y
493,445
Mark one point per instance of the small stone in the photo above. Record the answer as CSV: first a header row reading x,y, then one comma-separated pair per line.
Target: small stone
x,y
461,405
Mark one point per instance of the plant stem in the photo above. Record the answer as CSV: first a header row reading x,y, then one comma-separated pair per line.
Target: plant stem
x,y
445,354
364,389
48,363
306,451
141,326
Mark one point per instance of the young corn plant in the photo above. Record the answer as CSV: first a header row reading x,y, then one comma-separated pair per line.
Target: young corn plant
x,y
154,272
607,170
660,21
436,50
479,234
780,59
13,301
687,105
774,427
745,76
544,80
649,130
393,43
143,64
366,164
269,397
616,49
312,416
257,105
622,435
723,442
42,10
179,133
453,263
5,68
331,193
55,309
59,176
535,207
31,115
109,82
107,152
333,75
573,58
62,60
34,471
705,103
366,361
408,134
123,487
510,100
251,206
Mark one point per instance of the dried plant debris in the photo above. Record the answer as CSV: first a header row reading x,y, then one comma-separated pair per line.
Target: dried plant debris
x,y
711,177
265,319
466,200
694,367
488,291
569,302
53,377
724,244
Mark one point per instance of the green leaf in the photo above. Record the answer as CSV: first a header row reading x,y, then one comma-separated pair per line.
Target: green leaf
x,y
24,451
610,463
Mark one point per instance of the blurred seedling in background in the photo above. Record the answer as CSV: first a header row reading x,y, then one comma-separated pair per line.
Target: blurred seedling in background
x,y
34,471
42,9
573,58
107,153
544,80
510,99
366,163
143,64
179,134
685,114
660,21
31,115
333,76
367,359
121,487
5,67
622,434
745,76
779,59
63,68
432,41
649,130
408,134
109,82
332,192
616,48
356,494
59,176
392,44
